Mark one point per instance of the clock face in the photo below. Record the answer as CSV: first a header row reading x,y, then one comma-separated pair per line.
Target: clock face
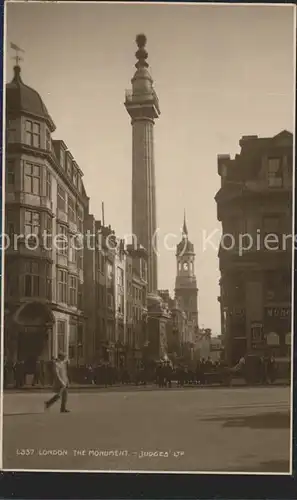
x,y
186,266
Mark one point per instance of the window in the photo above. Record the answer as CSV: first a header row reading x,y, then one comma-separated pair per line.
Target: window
x,y
72,333
62,158
48,141
10,173
79,183
72,252
80,296
79,254
71,209
48,225
143,269
32,134
80,218
73,290
121,303
120,277
32,223
11,280
74,176
32,279
61,334
62,237
32,181
10,224
278,286
48,277
11,130
48,185
257,332
62,286
61,199
109,272
109,301
275,175
69,166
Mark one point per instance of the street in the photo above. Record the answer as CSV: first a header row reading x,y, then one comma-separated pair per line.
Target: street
x,y
211,429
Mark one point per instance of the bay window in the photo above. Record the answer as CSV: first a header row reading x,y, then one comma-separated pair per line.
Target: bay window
x,y
32,178
32,223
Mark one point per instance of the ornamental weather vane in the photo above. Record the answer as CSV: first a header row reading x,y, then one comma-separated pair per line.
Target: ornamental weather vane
x,y
141,53
17,50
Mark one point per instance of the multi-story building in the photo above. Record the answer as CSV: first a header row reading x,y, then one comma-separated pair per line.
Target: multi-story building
x,y
137,341
44,215
254,205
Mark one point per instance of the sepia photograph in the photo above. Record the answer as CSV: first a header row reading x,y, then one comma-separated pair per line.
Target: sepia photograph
x,y
148,237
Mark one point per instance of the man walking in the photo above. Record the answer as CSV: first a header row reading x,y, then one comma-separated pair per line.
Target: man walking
x,y
60,383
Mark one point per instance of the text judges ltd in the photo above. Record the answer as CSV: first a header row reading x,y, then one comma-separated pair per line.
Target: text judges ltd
x,y
98,453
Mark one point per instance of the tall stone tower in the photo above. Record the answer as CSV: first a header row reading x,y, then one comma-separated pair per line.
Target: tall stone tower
x,y
143,107
186,291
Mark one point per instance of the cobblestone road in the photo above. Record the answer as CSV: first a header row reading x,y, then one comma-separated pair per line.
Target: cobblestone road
x,y
226,429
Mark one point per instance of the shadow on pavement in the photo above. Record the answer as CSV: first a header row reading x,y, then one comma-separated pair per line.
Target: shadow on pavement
x,y
276,420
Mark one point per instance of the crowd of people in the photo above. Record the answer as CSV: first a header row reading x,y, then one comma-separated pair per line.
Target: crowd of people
x,y
162,373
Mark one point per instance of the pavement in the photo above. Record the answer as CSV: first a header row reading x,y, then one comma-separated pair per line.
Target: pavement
x,y
223,430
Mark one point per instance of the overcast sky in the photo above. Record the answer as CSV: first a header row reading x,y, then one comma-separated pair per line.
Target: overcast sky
x,y
220,72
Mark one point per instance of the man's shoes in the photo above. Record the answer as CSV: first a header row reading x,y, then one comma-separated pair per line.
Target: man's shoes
x,y
65,411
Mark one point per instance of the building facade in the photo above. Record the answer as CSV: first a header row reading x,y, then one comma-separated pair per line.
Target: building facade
x,y
44,215
254,205
137,314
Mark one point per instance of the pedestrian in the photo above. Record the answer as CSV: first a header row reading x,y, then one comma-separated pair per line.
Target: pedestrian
x,y
60,384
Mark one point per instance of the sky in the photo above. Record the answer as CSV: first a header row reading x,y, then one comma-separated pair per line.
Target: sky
x,y
220,72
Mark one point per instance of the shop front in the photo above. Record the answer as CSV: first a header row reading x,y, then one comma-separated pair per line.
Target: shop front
x,y
277,331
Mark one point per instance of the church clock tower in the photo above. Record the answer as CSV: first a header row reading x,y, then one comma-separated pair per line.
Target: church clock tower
x,y
186,291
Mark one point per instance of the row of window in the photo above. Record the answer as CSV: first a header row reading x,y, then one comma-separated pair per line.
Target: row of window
x,y
65,245
69,290
32,178
272,223
33,138
68,165
276,285
275,173
33,185
137,293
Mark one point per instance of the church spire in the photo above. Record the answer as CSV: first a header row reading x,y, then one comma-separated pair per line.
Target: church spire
x,y
185,229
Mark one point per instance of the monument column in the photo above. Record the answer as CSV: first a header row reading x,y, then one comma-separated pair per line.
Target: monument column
x,y
143,107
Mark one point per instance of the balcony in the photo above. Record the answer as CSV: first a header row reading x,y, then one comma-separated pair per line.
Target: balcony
x,y
142,98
